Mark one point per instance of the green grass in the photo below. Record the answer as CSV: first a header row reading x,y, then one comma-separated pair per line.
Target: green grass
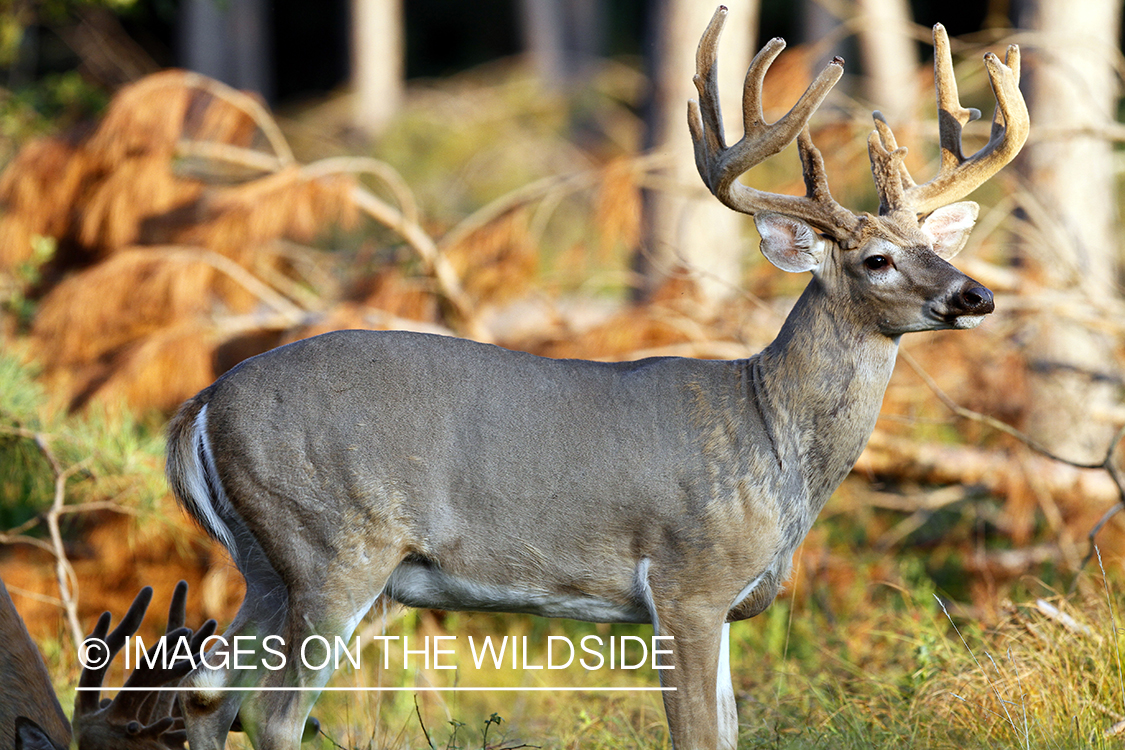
x,y
891,671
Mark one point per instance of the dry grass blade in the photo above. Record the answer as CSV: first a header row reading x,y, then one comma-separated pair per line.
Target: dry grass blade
x,y
991,684
1113,620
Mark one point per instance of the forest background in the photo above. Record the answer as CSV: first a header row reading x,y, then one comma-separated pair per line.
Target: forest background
x,y
189,183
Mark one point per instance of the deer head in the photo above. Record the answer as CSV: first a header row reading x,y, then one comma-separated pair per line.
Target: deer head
x,y
889,259
30,714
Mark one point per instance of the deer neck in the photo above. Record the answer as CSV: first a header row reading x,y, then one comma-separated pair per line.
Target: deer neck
x,y
820,384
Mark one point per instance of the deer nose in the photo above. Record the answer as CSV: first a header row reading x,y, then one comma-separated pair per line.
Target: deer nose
x,y
975,299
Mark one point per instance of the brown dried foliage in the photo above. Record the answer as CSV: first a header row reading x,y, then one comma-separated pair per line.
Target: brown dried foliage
x,y
663,321
235,220
390,290
114,301
94,329
114,210
94,193
161,370
134,293
497,261
617,210
36,192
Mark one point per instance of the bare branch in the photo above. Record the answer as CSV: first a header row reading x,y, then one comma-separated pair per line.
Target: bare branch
x,y
64,571
1107,464
402,220
65,576
253,109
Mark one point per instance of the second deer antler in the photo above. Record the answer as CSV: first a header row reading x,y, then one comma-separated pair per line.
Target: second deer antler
x,y
721,165
959,175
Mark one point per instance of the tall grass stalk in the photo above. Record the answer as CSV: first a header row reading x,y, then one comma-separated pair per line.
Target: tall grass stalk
x,y
1113,621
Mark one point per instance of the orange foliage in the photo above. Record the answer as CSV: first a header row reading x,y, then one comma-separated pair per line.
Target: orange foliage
x,y
118,319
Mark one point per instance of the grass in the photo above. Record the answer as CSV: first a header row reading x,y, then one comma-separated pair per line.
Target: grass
x,y
914,675
900,667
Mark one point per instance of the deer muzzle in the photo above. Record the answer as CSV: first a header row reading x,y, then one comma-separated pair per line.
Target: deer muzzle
x,y
970,304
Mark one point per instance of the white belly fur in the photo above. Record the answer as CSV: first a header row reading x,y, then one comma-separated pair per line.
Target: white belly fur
x,y
426,586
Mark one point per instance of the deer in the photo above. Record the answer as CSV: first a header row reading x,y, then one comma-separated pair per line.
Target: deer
x,y
31,717
437,472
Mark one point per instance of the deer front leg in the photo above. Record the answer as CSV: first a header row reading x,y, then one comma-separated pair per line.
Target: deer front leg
x,y
700,710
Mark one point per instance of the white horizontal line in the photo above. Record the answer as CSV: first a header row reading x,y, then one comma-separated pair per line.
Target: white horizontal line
x,y
383,689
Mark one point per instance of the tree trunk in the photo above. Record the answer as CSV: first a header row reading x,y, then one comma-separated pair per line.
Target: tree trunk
x,y
890,58
1073,95
684,225
378,62
228,41
562,37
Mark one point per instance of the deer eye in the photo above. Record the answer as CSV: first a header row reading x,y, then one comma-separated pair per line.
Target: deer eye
x,y
876,262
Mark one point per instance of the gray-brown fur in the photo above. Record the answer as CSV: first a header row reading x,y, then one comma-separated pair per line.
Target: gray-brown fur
x,y
446,473
25,685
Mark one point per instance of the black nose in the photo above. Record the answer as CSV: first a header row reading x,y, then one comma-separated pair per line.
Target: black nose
x,y
975,299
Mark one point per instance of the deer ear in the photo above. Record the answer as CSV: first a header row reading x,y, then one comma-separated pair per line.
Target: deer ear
x,y
31,736
948,227
789,243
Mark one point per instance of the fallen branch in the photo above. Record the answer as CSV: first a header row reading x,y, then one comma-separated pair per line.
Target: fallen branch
x,y
402,220
1107,464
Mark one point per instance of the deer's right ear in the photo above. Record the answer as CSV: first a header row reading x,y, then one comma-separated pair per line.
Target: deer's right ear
x,y
31,736
789,243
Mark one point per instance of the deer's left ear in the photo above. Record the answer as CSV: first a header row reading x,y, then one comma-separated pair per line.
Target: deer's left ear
x,y
948,227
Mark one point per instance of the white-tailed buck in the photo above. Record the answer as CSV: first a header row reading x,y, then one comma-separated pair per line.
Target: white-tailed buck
x,y
443,473
32,719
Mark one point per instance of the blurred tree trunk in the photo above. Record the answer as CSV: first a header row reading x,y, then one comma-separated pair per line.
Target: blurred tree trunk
x,y
885,46
684,225
1074,93
228,40
890,58
378,62
562,37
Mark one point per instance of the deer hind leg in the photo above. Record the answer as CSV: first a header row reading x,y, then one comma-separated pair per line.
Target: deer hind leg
x,y
323,611
213,701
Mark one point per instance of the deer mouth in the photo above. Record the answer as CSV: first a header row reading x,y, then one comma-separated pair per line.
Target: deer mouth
x,y
965,322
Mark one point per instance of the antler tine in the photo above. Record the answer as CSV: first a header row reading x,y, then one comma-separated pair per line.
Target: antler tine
x,y
958,175
888,165
140,718
1012,62
720,165
88,701
705,119
151,708
952,117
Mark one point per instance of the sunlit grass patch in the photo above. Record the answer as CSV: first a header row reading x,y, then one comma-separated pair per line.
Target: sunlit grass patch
x,y
891,671
400,695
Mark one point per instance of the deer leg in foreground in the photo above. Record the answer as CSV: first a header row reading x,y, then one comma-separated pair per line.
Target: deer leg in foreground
x,y
700,710
317,619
